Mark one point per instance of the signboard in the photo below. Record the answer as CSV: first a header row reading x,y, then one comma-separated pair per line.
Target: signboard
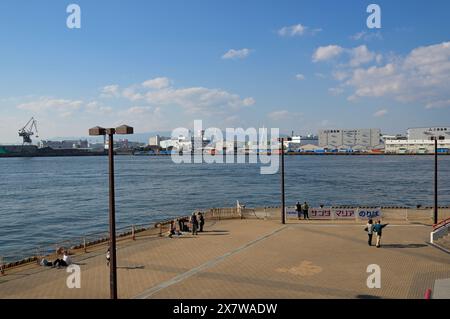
x,y
369,213
291,212
345,213
320,213
328,213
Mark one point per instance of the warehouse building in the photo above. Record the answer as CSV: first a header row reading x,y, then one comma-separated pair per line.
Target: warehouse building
x,y
362,140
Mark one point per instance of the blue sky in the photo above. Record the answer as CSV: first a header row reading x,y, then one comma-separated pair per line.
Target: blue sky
x,y
157,65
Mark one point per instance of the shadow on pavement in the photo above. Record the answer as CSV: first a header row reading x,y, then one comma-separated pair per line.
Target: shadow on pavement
x,y
367,297
404,246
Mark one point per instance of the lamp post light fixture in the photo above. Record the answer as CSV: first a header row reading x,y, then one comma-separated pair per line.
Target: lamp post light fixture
x,y
97,131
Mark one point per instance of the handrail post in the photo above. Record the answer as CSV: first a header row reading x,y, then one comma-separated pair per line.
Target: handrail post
x,y
2,267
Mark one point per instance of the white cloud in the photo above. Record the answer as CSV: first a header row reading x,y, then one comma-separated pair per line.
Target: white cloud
x,y
366,36
341,75
320,75
279,115
131,94
300,77
293,30
380,113
198,99
110,91
327,52
421,76
248,101
336,91
63,107
283,115
236,54
438,104
361,55
297,30
138,110
96,108
157,83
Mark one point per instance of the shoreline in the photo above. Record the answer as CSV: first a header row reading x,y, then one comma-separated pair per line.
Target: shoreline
x,y
218,155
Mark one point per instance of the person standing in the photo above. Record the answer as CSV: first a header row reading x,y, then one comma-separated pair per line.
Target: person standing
x,y
305,211
194,223
172,229
298,208
201,221
369,229
378,228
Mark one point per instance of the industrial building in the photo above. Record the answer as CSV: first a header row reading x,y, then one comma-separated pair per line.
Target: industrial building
x,y
67,144
416,146
360,140
429,133
420,140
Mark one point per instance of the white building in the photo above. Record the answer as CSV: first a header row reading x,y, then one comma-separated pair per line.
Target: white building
x,y
429,133
351,139
416,146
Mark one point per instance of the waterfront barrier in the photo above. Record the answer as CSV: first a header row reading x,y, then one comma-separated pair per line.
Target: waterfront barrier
x,y
89,242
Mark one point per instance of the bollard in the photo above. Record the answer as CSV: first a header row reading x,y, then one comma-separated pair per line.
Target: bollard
x,y
428,294
133,235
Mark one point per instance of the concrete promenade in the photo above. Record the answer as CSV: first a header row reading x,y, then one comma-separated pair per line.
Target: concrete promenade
x,y
250,258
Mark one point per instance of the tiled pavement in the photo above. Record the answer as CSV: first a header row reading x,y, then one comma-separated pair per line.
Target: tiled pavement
x,y
251,259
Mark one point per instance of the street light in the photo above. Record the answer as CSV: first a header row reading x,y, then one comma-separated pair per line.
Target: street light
x,y
97,131
435,179
283,202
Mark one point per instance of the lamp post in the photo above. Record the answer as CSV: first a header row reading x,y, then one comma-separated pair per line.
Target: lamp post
x,y
435,180
97,131
283,201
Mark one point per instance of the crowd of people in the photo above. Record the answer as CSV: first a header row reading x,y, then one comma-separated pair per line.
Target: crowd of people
x,y
196,222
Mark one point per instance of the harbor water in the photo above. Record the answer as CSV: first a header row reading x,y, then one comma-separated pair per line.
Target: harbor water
x,y
45,200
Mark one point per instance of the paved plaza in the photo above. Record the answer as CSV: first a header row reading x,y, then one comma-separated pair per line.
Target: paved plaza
x,y
250,258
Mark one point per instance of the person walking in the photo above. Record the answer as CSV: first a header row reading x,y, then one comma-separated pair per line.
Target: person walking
x,y
305,210
201,220
378,228
298,208
369,229
194,223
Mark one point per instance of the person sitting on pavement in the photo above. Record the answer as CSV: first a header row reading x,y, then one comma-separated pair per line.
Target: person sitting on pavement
x,y
64,262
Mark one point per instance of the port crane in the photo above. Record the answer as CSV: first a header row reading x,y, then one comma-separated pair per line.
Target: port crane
x,y
29,130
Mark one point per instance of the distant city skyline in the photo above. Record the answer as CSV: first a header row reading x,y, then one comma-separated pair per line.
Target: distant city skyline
x,y
300,66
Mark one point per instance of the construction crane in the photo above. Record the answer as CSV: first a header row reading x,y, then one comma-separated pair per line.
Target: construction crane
x,y
28,130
